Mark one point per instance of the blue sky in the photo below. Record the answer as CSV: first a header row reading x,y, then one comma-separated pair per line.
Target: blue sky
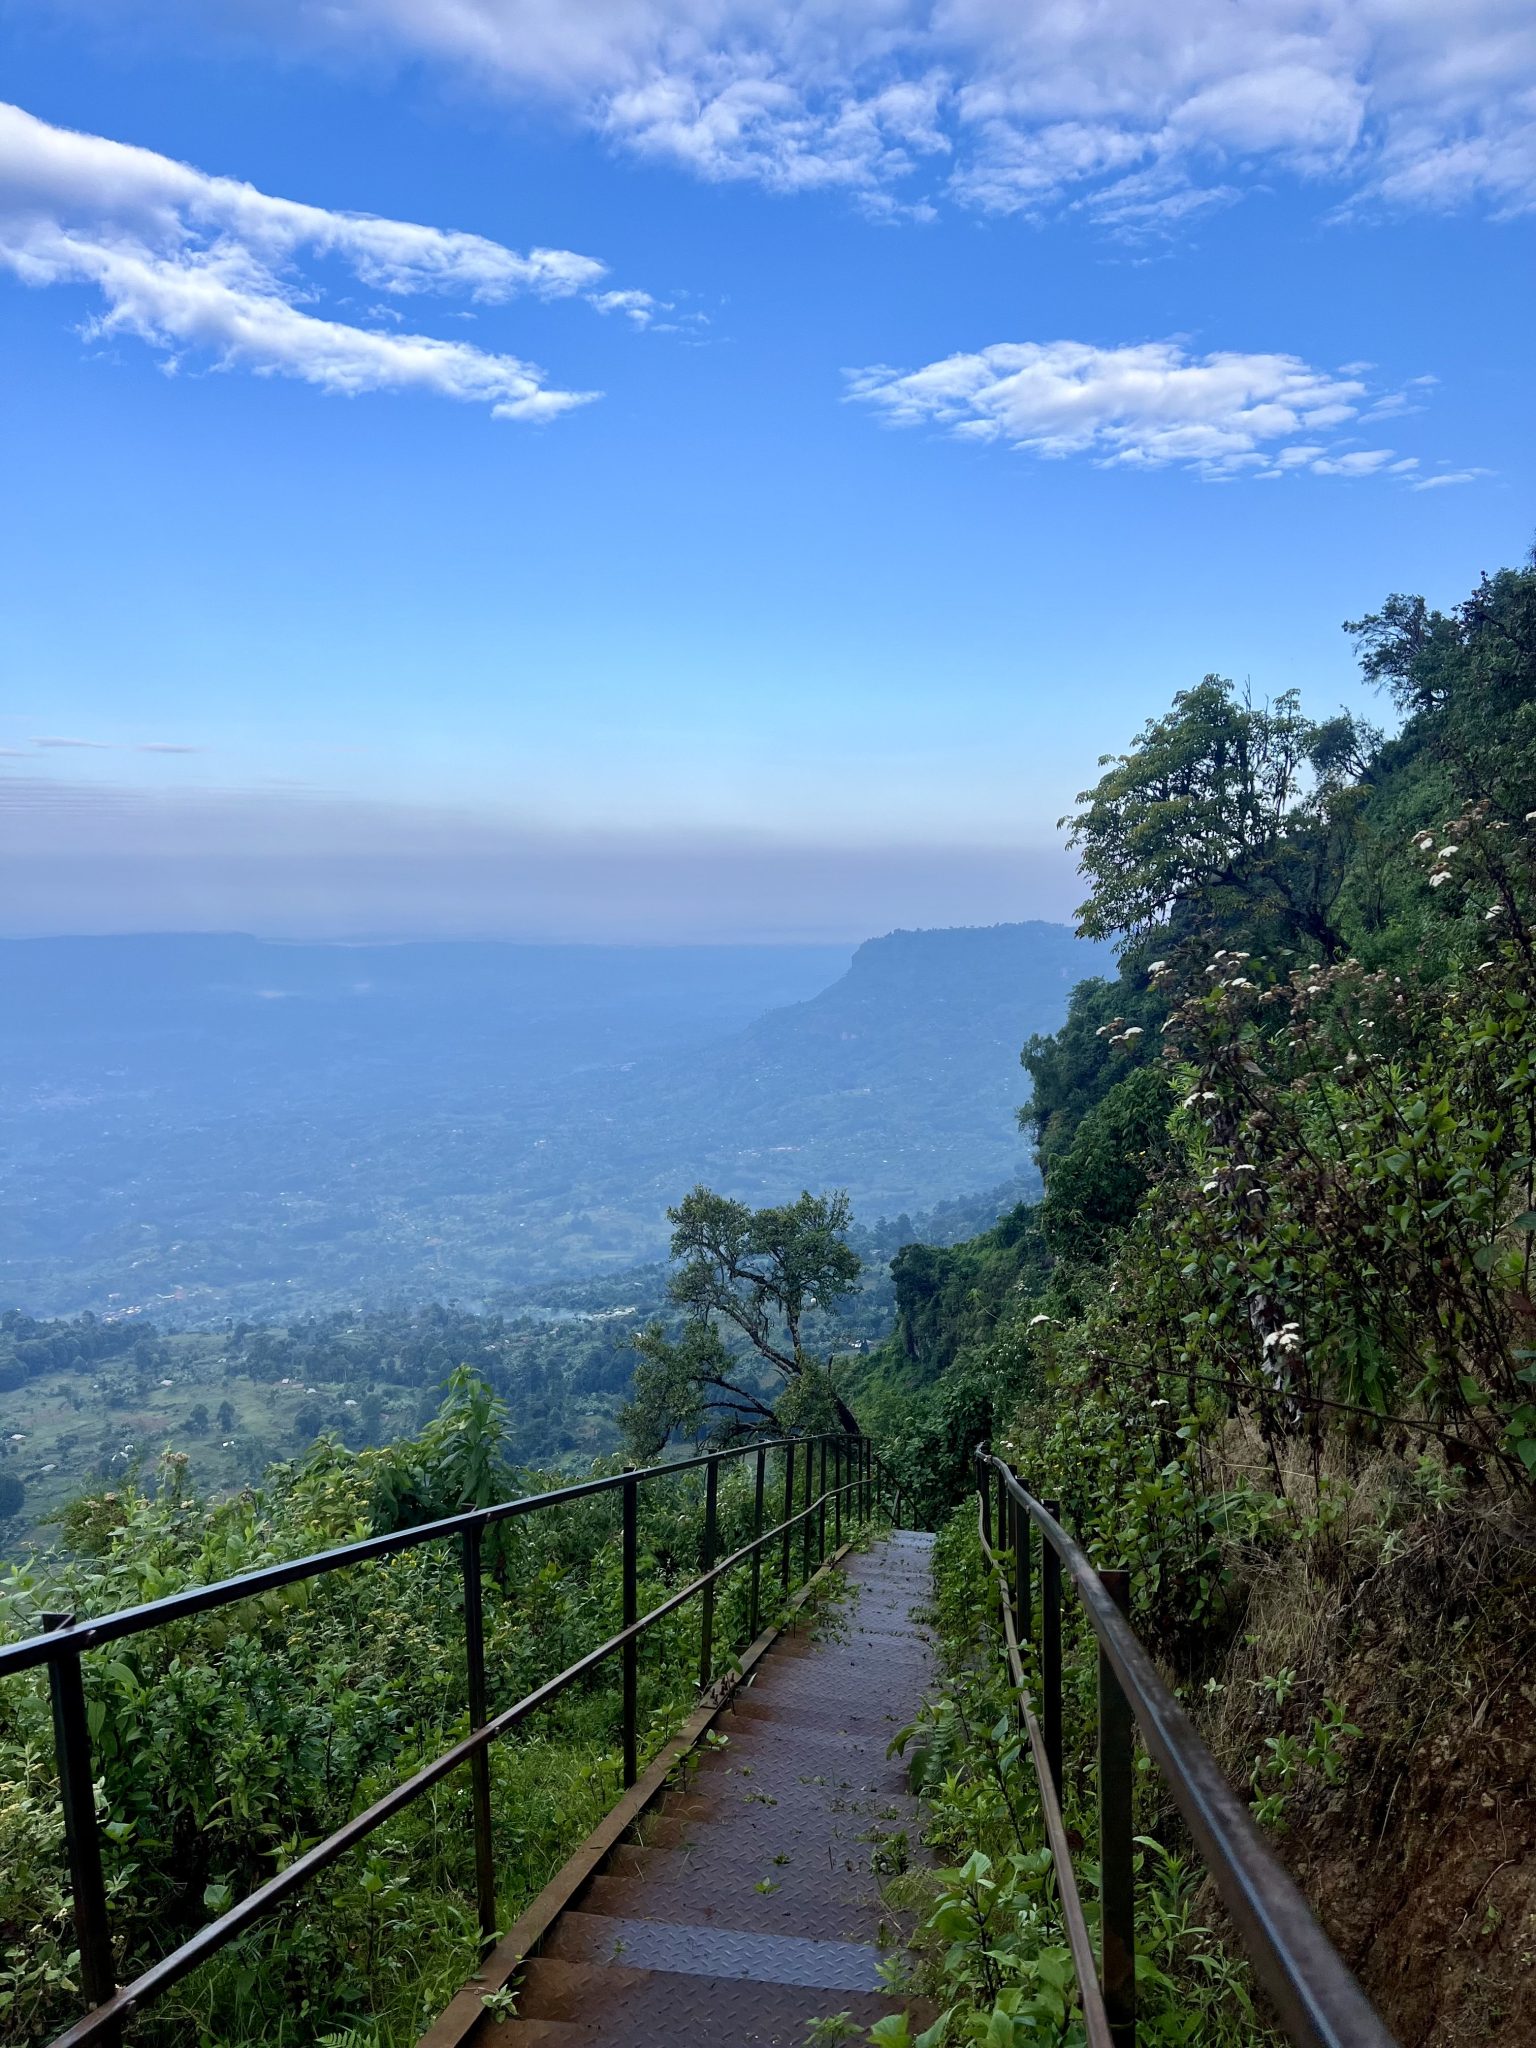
x,y
996,370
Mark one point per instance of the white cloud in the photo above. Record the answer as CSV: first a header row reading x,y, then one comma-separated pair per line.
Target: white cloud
x,y
57,174
1011,104
1359,462
1449,477
186,261
638,307
1149,405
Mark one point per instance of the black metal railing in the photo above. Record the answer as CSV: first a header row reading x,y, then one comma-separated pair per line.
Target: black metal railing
x,y
858,1479
1316,1999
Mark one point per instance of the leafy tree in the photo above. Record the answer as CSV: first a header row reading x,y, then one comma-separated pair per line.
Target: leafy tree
x,y
198,1422
1097,1184
13,1496
949,1298
1409,650
747,1279
1466,679
227,1416
1073,1068
1228,812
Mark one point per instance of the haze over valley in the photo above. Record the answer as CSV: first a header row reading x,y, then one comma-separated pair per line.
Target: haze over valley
x,y
199,1128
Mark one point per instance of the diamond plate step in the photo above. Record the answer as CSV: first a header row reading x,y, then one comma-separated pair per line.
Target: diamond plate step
x,y
673,1944
768,1710
838,1915
649,2008
698,1951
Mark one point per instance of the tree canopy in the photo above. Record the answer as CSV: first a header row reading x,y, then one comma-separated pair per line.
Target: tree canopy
x,y
1227,811
746,1281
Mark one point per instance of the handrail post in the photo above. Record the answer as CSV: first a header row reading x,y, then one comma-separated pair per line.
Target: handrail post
x,y
707,1617
837,1492
789,1509
1117,1880
821,1513
480,1762
808,1533
631,1651
759,1482
1050,1647
77,1793
984,1489
1023,1591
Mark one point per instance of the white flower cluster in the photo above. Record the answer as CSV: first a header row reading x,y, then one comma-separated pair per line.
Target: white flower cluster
x,y
1118,1032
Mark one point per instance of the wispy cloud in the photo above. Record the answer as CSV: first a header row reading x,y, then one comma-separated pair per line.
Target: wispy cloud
x,y
50,740
1451,477
638,307
209,266
1148,406
1009,106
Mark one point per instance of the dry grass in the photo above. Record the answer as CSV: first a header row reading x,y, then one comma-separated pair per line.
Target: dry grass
x,y
1410,1602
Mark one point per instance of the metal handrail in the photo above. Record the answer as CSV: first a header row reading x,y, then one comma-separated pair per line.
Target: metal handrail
x,y
859,1479
1095,2017
127,1621
1317,1999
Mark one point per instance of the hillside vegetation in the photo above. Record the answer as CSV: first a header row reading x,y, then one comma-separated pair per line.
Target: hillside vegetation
x,y
87,1400
225,1743
1270,1336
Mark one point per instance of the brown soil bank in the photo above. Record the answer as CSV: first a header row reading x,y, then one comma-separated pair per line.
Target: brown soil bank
x,y
1415,1837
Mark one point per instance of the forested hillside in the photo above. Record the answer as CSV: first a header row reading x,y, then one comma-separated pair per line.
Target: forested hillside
x,y
1270,1336
225,1129
87,1399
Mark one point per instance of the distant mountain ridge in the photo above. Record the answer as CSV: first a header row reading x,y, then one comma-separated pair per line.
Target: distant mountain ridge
x,y
200,1017
900,1081
535,1134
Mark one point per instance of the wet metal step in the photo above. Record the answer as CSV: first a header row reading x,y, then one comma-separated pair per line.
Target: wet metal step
x,y
747,1906
697,1951
678,2009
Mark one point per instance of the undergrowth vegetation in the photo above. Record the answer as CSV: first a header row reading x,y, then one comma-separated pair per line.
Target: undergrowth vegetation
x,y
991,1948
226,1744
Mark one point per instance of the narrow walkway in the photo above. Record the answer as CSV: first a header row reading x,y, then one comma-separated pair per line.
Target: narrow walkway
x,y
749,1907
